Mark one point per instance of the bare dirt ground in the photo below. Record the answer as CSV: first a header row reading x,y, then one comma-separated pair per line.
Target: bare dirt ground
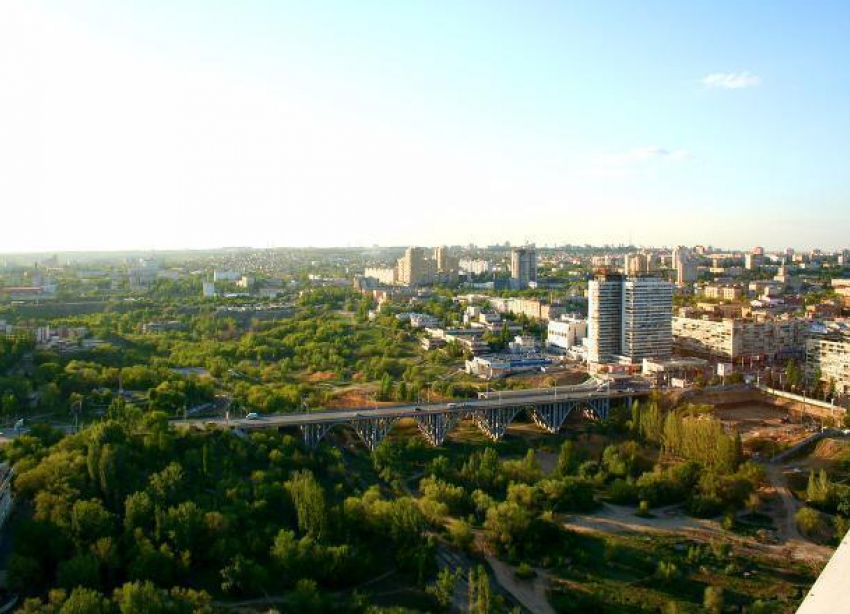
x,y
568,377
827,453
761,421
622,520
530,593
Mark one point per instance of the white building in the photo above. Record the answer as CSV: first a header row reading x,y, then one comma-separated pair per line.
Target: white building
x,y
685,265
647,319
384,275
828,356
740,339
474,266
629,318
566,333
208,289
524,344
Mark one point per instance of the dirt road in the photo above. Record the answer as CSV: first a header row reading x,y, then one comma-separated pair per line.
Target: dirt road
x,y
530,593
621,520
786,523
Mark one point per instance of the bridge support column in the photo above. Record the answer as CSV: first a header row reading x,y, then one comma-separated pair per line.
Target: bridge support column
x,y
598,408
435,427
373,430
495,421
314,433
551,416
629,403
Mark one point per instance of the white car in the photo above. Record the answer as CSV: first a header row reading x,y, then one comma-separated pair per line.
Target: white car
x,y
252,416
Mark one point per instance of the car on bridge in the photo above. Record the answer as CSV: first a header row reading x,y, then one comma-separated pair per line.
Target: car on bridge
x,y
252,416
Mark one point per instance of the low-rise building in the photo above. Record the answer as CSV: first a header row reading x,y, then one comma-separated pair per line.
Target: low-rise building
x,y
566,333
532,308
471,343
524,344
724,292
496,366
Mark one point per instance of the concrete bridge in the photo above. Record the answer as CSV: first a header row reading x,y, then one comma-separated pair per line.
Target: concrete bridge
x,y
492,412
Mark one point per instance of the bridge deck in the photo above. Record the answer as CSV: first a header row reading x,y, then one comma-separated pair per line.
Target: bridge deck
x,y
534,397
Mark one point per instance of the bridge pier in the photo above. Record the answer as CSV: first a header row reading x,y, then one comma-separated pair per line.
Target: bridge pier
x,y
629,402
314,433
494,421
435,427
550,417
598,408
373,430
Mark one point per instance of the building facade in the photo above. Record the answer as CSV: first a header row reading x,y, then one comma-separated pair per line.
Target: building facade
x,y
414,269
828,358
564,334
629,319
647,314
733,339
384,275
523,266
605,317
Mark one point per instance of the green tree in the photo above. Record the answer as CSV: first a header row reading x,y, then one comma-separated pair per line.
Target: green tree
x,y
713,599
443,588
85,601
308,496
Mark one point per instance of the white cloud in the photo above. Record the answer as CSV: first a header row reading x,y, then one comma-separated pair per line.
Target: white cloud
x,y
730,80
646,154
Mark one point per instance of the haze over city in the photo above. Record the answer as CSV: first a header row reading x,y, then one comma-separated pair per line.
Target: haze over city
x,y
141,125
373,307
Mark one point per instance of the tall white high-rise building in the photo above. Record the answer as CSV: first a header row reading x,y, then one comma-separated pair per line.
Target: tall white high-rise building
x,y
629,317
685,265
605,317
523,266
647,318
414,269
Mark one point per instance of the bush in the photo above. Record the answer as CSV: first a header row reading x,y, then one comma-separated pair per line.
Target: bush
x,y
667,572
713,599
622,492
461,534
810,522
525,572
705,506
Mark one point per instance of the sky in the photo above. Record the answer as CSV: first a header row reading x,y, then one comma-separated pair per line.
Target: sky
x,y
198,124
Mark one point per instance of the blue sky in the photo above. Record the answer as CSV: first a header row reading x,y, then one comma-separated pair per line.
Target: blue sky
x,y
200,124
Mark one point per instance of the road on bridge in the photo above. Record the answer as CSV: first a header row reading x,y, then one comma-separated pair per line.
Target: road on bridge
x,y
491,400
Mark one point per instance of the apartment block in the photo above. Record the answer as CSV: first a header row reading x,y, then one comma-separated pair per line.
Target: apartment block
x,y
647,314
384,275
629,318
733,339
414,269
725,293
828,356
523,266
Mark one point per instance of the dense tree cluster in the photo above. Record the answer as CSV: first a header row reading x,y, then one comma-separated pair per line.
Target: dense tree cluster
x,y
130,507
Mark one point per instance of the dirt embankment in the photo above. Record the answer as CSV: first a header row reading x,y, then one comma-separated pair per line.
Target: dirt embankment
x,y
751,395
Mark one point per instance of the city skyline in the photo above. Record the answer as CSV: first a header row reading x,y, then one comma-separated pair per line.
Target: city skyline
x,y
161,127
